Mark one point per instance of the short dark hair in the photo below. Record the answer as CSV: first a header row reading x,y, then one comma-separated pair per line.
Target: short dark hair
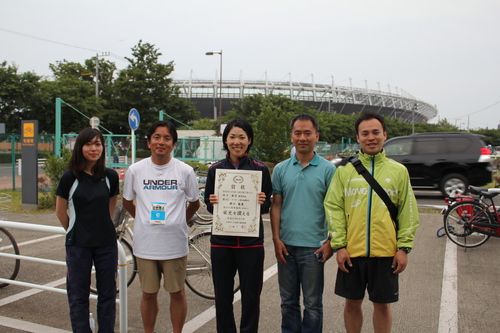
x,y
305,116
164,123
367,115
78,162
244,125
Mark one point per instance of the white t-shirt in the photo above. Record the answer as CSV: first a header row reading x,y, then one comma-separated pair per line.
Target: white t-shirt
x,y
160,191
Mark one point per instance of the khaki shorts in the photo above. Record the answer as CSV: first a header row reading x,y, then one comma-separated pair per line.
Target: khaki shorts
x,y
150,271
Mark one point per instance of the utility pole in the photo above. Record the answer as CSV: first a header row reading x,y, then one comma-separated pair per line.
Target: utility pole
x,y
103,54
96,75
415,107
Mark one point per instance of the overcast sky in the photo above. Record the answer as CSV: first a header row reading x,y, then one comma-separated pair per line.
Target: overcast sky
x,y
444,52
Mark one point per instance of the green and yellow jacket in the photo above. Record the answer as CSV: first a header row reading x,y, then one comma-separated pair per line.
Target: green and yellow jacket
x,y
359,220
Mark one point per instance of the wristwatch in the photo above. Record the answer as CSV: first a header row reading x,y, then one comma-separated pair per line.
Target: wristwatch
x,y
340,248
406,249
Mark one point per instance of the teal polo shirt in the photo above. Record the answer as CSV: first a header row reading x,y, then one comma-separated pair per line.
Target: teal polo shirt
x,y
303,221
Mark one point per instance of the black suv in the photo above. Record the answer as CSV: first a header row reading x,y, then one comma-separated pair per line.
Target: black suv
x,y
449,162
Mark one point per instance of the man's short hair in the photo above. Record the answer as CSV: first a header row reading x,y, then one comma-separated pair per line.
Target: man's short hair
x,y
165,123
305,116
367,115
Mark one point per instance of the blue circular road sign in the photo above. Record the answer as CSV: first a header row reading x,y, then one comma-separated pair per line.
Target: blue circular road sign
x,y
134,119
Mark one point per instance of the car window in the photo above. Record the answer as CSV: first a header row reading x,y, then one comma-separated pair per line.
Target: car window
x,y
458,144
430,146
400,147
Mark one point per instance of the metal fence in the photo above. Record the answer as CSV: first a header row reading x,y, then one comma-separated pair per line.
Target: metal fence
x,y
118,154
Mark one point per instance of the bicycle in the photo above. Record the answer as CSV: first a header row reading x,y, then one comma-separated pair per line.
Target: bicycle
x,y
199,264
204,216
9,267
470,222
120,220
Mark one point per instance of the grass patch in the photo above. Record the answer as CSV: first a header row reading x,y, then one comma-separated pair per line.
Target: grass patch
x,y
15,203
429,210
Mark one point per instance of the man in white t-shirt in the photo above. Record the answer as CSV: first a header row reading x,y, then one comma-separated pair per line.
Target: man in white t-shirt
x,y
160,186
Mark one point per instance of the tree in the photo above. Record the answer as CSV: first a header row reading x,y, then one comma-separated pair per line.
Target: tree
x,y
102,105
204,124
334,127
16,91
270,116
74,89
272,133
491,136
145,85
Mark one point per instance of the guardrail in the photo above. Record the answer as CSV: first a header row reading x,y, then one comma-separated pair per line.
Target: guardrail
x,y
122,267
19,164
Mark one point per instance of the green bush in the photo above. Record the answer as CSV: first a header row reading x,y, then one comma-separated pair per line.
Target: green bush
x,y
54,169
142,153
198,166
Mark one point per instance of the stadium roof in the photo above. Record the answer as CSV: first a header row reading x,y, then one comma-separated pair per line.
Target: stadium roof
x,y
326,97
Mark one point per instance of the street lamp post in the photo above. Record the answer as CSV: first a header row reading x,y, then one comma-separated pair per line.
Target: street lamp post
x,y
415,107
220,89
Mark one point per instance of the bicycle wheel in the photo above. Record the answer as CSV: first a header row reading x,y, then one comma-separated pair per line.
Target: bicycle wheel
x,y
9,267
199,267
459,220
204,216
131,268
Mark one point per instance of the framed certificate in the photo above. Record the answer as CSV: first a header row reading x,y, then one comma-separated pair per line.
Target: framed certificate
x,y
238,211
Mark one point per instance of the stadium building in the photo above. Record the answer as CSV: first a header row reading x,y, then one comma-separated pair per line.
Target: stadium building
x,y
324,97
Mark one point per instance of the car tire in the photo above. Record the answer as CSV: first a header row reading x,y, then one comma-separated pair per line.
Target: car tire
x,y
453,184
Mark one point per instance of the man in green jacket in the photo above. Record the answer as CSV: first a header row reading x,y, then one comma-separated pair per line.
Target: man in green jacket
x,y
371,249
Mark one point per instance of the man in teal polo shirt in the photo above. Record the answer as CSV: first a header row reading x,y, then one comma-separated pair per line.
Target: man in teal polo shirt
x,y
299,228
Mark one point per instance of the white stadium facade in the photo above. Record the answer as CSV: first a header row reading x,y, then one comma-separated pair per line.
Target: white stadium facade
x,y
323,97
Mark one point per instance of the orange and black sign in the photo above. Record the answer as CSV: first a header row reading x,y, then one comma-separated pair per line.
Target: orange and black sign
x,y
29,163
28,138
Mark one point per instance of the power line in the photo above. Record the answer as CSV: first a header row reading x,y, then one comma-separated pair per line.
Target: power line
x,y
59,43
484,108
470,114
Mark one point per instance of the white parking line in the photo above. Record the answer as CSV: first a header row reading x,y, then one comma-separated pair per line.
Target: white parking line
x,y
43,239
30,292
448,313
25,325
29,327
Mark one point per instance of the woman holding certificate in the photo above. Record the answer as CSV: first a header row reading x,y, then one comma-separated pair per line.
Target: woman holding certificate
x,y
227,193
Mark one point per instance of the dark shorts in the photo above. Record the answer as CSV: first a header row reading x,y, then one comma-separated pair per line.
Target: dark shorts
x,y
372,274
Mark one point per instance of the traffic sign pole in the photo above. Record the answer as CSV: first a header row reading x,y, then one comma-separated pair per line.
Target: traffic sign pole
x,y
133,120
132,135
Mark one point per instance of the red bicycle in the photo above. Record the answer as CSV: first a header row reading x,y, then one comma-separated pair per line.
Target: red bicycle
x,y
469,221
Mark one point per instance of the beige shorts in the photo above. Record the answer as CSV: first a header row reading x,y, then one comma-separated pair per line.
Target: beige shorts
x,y
150,271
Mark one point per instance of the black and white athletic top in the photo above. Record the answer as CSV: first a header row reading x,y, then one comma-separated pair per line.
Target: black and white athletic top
x,y
88,207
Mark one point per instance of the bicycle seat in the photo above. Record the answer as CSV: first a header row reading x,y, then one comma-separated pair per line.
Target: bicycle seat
x,y
477,190
483,191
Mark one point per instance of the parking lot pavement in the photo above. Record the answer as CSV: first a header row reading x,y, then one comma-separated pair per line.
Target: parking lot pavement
x,y
442,284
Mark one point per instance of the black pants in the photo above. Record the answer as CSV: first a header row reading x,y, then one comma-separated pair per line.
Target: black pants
x,y
249,262
79,266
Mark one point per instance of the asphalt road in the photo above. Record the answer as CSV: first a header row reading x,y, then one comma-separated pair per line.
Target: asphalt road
x,y
443,285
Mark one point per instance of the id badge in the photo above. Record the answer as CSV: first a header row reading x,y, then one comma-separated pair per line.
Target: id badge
x,y
158,213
